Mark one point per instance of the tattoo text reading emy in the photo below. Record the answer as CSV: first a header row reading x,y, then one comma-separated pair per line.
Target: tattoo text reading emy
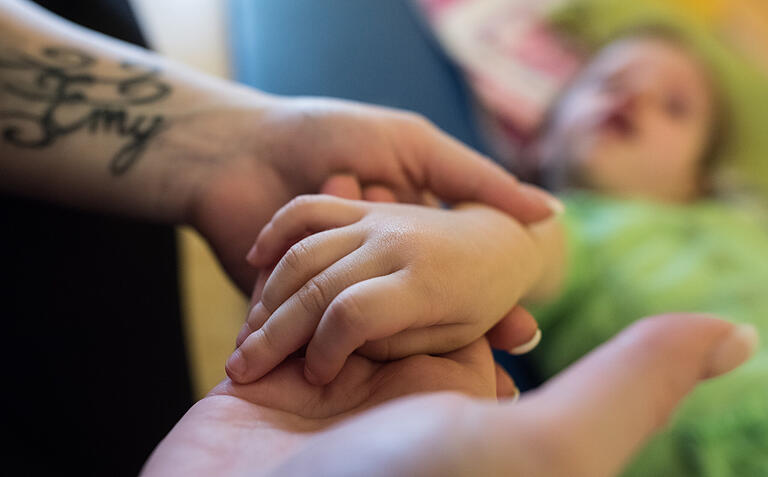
x,y
61,84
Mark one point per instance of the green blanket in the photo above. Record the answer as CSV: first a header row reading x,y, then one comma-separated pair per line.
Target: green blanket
x,y
630,259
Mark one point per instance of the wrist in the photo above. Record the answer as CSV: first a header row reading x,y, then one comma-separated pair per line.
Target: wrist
x,y
512,248
200,148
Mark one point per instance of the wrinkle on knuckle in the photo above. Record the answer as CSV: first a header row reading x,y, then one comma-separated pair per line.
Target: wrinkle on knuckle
x,y
297,258
312,296
345,313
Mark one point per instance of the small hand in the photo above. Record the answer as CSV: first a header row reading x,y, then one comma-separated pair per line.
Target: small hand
x,y
589,421
450,276
258,156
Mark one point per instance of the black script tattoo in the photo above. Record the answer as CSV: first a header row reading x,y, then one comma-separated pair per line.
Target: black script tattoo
x,y
60,83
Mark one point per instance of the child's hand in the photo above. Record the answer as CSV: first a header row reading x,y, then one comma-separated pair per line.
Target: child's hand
x,y
393,279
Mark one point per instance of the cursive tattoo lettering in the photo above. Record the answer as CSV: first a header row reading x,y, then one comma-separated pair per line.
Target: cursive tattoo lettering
x,y
62,96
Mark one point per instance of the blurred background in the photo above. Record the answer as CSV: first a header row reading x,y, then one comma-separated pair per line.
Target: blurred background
x,y
506,77
497,74
261,43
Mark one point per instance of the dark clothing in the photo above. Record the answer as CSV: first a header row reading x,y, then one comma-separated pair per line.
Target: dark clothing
x,y
94,345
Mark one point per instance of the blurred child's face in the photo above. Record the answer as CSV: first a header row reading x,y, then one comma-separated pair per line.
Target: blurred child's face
x,y
636,121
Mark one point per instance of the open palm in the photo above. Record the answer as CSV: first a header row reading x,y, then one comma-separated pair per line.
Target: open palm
x,y
251,428
363,383
589,421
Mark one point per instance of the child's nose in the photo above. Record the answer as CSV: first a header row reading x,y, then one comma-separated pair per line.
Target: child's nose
x,y
626,102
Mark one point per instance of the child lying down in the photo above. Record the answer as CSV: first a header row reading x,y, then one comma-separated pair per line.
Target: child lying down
x,y
630,148
635,133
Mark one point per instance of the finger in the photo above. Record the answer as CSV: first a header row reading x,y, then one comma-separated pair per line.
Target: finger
x,y
505,385
475,356
293,323
377,193
454,172
517,332
435,339
361,313
345,186
300,263
246,329
303,214
623,392
306,259
258,289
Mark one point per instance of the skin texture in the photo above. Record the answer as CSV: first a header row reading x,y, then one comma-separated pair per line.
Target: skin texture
x,y
333,290
297,145
634,123
93,123
435,415
587,422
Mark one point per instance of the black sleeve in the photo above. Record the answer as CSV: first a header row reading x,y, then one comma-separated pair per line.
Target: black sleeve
x,y
92,347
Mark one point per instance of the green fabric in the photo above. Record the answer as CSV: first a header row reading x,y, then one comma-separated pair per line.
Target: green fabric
x,y
743,86
630,259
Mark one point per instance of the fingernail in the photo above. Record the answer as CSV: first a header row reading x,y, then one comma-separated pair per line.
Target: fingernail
x,y
556,205
236,365
252,255
516,396
553,203
526,347
733,350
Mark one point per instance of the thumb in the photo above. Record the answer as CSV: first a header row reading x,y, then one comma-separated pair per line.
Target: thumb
x,y
602,409
345,186
454,172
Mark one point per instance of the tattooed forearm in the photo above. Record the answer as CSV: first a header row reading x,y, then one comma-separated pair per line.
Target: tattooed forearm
x,y
58,94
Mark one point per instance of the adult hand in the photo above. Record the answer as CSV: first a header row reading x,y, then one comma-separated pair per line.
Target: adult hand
x,y
587,422
280,148
249,429
179,146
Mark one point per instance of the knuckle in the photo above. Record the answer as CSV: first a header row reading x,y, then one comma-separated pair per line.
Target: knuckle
x,y
312,296
298,203
398,242
269,299
297,258
345,314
